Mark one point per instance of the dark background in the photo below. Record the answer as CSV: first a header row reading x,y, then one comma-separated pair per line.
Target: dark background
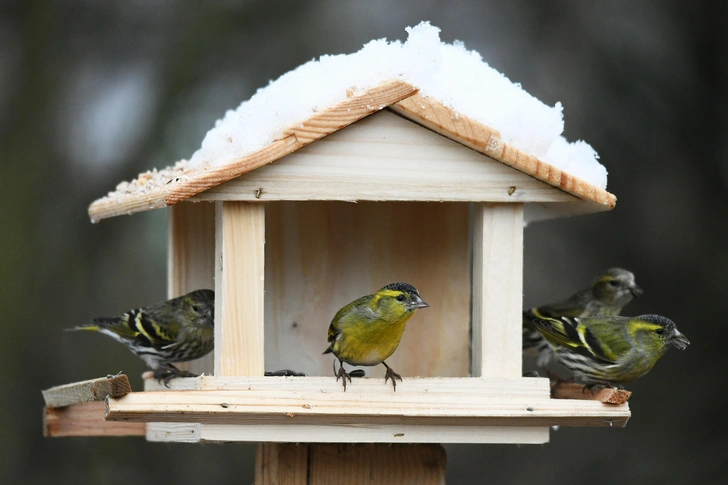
x,y
92,93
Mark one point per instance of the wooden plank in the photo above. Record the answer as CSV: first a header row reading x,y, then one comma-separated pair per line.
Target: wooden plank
x,y
160,192
369,433
87,391
191,260
386,157
86,419
282,464
317,400
607,395
434,115
497,290
323,255
239,288
377,464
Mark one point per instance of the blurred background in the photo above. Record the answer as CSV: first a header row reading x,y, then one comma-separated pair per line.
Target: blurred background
x,y
92,93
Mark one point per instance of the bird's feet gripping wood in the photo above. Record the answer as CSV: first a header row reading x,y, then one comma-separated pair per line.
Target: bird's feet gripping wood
x,y
341,373
391,374
169,372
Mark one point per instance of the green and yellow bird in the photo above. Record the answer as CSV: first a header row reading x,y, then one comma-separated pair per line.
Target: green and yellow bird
x,y
177,330
606,296
607,351
368,330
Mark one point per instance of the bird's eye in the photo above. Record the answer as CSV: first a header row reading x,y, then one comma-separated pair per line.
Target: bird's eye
x,y
195,309
400,297
660,331
614,283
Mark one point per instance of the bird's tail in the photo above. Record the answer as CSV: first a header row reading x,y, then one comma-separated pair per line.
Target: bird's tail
x,y
97,324
86,326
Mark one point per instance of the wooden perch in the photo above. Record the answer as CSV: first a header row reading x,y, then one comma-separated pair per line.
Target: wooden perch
x,y
573,390
85,419
87,391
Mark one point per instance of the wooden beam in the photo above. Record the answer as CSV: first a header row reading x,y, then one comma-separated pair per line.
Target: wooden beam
x,y
301,464
85,419
191,260
607,395
87,391
377,463
239,288
282,464
497,291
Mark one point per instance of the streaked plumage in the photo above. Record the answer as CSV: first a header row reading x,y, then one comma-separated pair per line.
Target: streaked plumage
x,y
368,330
606,296
610,350
177,330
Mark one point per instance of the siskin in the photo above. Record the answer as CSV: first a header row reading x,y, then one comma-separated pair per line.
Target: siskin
x,y
368,330
176,330
606,296
607,351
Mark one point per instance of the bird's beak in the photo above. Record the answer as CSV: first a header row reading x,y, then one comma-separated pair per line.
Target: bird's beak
x,y
679,341
416,303
636,291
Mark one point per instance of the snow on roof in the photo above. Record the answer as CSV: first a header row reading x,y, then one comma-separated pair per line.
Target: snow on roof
x,y
256,132
450,73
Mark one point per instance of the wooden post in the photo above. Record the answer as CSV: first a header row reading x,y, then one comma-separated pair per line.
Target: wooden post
x,y
239,285
190,264
497,290
317,464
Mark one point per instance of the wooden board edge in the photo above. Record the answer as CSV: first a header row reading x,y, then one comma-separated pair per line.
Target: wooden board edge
x,y
86,419
435,116
607,395
87,391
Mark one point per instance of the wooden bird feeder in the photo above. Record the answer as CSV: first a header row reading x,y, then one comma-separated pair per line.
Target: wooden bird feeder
x,y
440,202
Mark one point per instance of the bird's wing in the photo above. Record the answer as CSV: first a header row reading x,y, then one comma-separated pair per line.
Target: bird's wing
x,y
572,307
610,334
162,321
569,333
354,311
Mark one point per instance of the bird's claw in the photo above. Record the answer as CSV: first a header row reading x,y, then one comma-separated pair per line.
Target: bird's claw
x,y
341,373
166,374
393,375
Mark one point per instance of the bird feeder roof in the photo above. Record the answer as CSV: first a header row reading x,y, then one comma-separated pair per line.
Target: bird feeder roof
x,y
157,189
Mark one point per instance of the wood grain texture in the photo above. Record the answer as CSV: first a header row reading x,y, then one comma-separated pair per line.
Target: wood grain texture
x,y
434,115
239,288
87,391
85,419
432,402
386,157
282,464
191,260
607,395
321,256
374,464
327,433
497,290
319,125
361,433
